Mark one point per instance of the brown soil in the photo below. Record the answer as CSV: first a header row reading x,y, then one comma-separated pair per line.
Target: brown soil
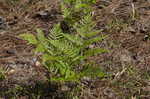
x,y
127,24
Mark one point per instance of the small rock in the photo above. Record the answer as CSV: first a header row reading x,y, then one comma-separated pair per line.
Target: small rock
x,y
146,37
65,88
44,14
37,63
11,51
12,71
86,79
91,46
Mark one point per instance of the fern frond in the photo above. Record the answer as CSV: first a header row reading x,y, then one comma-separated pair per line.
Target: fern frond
x,y
85,27
56,32
40,35
29,37
40,48
66,12
74,39
93,40
47,57
91,71
94,51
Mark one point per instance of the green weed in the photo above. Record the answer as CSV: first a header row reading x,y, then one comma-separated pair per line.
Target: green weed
x,y
65,54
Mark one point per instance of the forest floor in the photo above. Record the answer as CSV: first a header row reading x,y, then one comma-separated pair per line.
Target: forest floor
x,y
127,24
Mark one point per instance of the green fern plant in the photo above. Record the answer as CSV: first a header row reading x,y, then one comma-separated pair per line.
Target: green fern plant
x,y
75,10
63,54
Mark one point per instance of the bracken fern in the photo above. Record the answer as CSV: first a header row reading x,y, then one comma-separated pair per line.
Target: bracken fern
x,y
63,53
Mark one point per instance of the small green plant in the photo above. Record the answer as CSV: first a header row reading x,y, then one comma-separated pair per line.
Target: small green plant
x,y
65,54
2,74
74,10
